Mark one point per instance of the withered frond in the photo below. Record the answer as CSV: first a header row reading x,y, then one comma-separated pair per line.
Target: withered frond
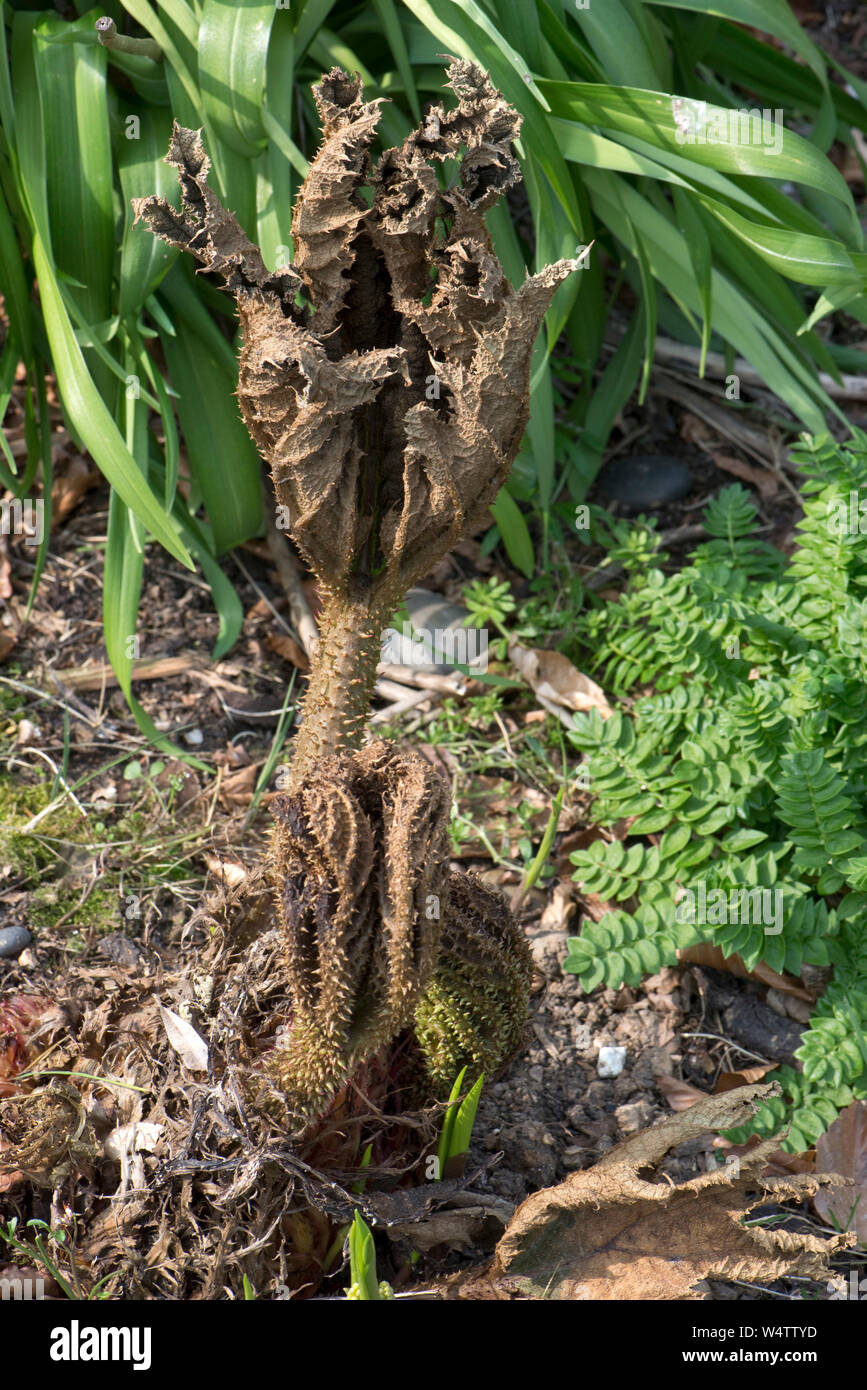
x,y
385,375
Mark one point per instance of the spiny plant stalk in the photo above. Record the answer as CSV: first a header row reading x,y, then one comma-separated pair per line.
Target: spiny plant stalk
x,y
360,853
342,676
384,377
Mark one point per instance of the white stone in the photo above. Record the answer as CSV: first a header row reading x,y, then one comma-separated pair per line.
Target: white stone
x,y
611,1061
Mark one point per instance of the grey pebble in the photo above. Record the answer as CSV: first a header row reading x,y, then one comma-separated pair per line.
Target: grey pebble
x,y
13,940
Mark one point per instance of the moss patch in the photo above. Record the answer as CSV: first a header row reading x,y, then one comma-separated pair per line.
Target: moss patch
x,y
28,855
57,904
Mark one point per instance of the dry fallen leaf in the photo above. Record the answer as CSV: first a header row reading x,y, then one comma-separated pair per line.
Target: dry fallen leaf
x,y
696,431
679,1094
704,953
467,1222
288,648
230,872
843,1149
610,1232
560,909
68,490
236,790
553,677
761,478
747,1076
126,1144
786,1006
187,1043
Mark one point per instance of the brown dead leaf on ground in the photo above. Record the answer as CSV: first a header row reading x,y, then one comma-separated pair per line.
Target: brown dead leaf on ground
x,y
560,910
553,677
747,1076
288,648
609,1232
704,953
69,489
783,1003
843,1149
227,869
693,430
765,482
696,431
236,790
681,1095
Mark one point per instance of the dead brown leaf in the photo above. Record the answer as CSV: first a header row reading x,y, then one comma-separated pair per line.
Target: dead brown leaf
x,y
236,790
695,431
68,490
560,910
783,1003
843,1149
761,478
748,1076
288,648
679,1094
464,1224
704,953
610,1232
229,871
553,677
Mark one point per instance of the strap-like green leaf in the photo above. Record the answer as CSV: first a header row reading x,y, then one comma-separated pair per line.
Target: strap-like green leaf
x,y
233,50
222,455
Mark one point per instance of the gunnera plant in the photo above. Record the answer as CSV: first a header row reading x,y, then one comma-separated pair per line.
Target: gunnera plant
x,y
394,283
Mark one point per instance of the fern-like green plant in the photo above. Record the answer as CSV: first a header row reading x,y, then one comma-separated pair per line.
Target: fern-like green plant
x,y
744,773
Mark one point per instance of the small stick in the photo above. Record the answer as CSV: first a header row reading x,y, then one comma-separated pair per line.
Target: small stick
x,y
423,680
400,705
106,32
290,578
849,388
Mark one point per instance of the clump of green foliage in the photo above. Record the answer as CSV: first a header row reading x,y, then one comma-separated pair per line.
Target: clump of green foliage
x,y
365,1285
745,770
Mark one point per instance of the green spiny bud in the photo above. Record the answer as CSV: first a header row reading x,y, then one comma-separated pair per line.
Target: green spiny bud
x,y
474,1008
